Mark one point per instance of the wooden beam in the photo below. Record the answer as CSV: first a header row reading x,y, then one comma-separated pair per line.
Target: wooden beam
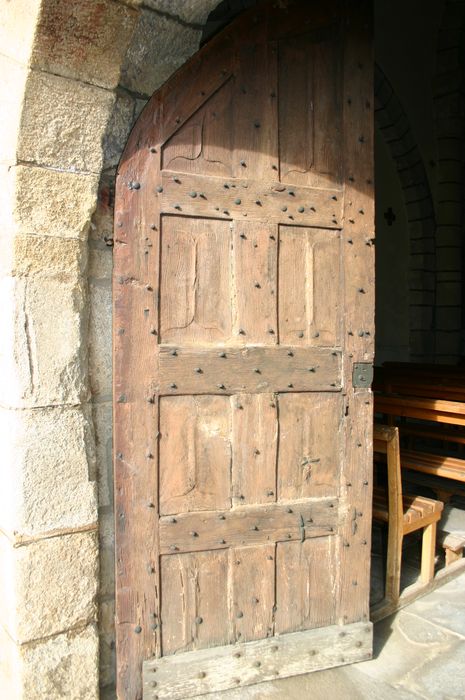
x,y
247,525
237,665
251,369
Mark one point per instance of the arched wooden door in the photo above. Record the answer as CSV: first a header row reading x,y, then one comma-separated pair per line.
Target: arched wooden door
x,y
243,300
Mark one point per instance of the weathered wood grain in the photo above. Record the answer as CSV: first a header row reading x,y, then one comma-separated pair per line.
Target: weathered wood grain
x,y
358,273
253,592
309,452
194,281
255,273
310,114
255,115
201,672
310,303
248,525
243,294
305,584
246,199
204,143
254,443
195,604
232,370
195,453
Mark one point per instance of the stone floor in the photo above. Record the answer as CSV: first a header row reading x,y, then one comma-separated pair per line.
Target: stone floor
x,y
418,653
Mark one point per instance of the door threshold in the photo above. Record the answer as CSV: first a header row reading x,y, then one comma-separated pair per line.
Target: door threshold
x,y
193,673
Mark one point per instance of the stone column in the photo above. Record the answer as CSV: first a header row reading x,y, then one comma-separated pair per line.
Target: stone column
x,y
60,71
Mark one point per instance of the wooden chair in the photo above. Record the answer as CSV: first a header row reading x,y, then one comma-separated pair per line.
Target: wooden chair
x,y
403,514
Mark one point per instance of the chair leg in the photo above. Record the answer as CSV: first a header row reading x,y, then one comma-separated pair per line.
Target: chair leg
x,y
393,564
428,551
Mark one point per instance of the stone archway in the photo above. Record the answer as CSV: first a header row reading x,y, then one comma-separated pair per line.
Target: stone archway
x,y
393,123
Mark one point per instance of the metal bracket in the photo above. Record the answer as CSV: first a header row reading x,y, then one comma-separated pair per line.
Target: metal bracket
x,y
362,375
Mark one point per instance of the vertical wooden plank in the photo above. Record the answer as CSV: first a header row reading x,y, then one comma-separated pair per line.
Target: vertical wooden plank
x,y
254,444
195,453
310,124
195,607
296,110
255,103
135,299
305,584
255,279
203,144
327,77
309,452
310,303
195,281
253,592
358,238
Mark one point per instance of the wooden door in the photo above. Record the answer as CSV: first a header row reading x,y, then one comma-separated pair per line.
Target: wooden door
x,y
243,308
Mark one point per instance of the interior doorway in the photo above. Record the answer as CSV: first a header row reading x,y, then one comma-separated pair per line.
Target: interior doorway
x,y
419,139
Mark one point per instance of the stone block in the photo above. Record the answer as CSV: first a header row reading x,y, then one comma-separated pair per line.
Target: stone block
x,y
44,345
100,263
100,338
449,294
86,40
158,47
421,342
448,343
450,213
65,666
49,480
107,553
19,20
52,585
451,191
51,203
119,126
422,245
419,279
422,209
422,261
448,148
193,11
63,123
44,256
448,259
449,236
102,415
449,318
12,82
101,228
421,317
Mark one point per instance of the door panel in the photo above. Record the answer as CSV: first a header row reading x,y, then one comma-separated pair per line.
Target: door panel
x,y
243,295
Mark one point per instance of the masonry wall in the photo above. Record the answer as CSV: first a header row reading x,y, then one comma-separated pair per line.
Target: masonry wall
x,y
75,77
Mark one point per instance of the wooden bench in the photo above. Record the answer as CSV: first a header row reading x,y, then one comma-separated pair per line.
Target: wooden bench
x,y
402,513
453,545
430,381
432,411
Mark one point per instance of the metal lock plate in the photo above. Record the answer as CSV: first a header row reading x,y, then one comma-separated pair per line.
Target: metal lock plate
x,y
362,375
